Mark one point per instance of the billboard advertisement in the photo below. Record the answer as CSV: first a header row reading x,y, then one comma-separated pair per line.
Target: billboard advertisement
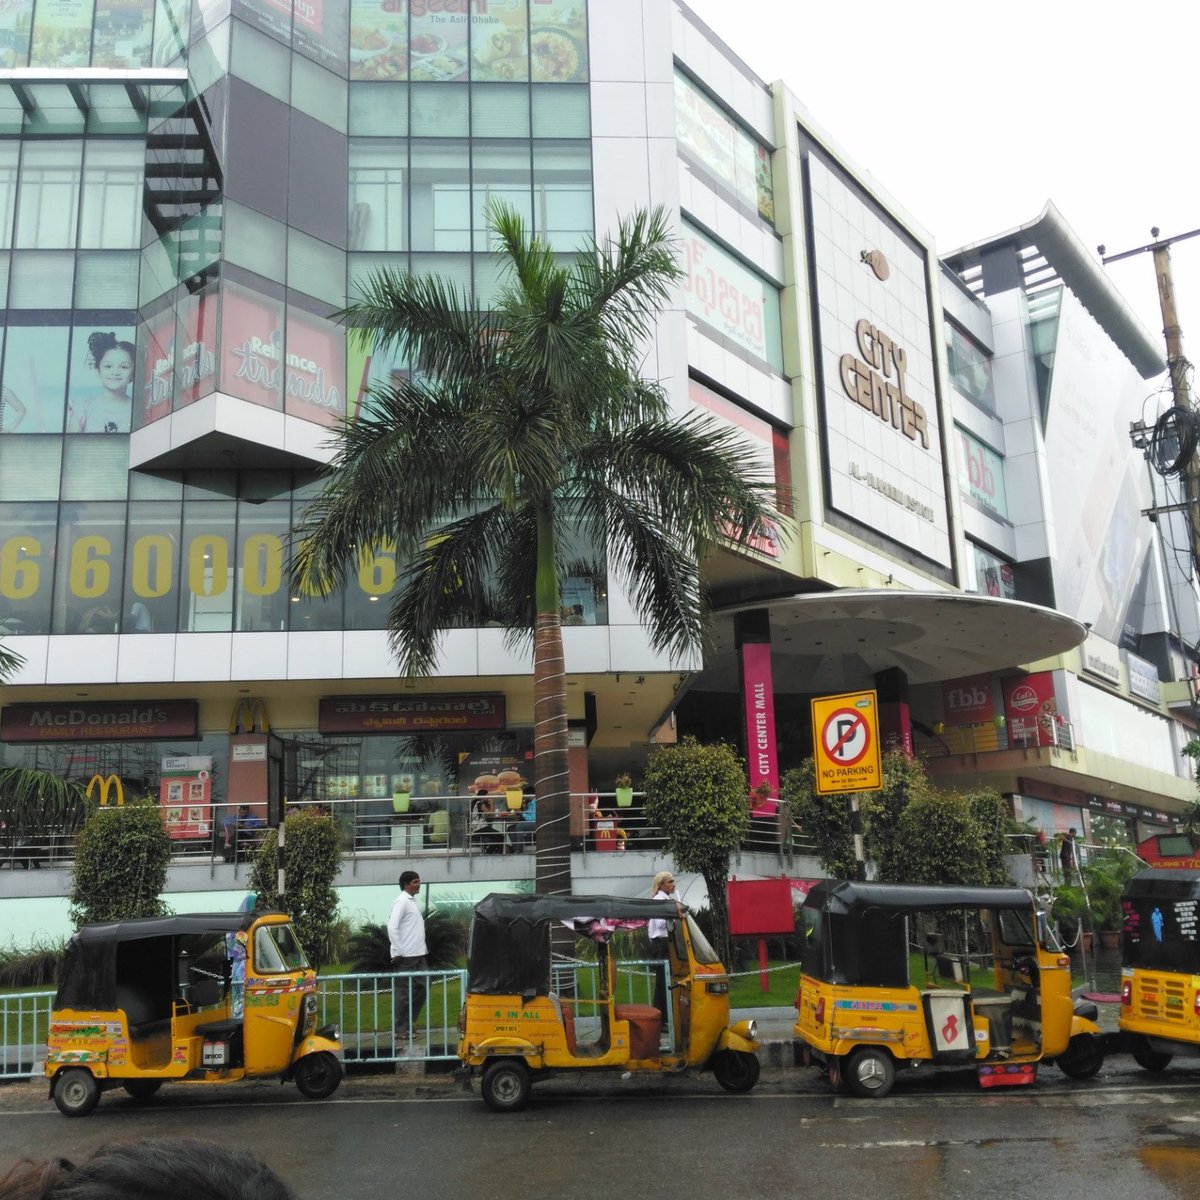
x,y
1031,709
185,795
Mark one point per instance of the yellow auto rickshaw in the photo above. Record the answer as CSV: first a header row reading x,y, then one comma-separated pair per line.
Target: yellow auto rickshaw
x,y
207,997
517,1028
1160,966
896,975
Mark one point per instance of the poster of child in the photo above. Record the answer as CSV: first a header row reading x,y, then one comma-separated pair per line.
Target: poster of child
x,y
106,408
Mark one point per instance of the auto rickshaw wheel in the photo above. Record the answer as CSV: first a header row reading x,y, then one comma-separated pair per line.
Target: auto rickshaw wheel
x,y
76,1092
1083,1057
141,1089
869,1072
1147,1057
735,1070
317,1075
506,1085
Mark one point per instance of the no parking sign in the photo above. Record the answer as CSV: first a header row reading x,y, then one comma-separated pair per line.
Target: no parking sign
x,y
846,743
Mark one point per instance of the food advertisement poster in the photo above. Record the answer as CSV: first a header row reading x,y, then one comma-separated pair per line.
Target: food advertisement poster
x,y
500,41
185,795
1031,709
16,17
378,40
62,33
495,771
122,34
558,41
437,40
315,370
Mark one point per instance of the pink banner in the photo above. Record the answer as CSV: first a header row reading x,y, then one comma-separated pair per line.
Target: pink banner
x,y
759,693
1031,709
968,701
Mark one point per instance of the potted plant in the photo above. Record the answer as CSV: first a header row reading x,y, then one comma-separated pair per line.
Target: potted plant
x,y
1105,879
624,790
760,797
401,801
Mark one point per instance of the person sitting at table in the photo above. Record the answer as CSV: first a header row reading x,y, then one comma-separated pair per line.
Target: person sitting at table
x,y
521,833
484,833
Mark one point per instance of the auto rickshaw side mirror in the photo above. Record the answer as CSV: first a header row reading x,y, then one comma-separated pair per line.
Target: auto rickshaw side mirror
x,y
183,974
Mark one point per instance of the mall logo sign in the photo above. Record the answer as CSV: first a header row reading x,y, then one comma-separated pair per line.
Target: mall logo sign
x,y
876,381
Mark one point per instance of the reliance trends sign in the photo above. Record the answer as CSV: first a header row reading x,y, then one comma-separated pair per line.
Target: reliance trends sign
x,y
876,348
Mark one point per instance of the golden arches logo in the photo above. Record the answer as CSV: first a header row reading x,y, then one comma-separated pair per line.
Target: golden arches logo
x,y
102,784
247,714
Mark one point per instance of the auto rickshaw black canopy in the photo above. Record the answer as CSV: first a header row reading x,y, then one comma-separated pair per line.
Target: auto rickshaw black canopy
x,y
1163,883
509,951
846,896
88,979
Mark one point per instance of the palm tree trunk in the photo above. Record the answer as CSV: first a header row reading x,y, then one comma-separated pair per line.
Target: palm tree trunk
x,y
550,767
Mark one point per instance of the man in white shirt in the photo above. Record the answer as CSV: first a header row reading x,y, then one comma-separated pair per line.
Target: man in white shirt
x,y
406,934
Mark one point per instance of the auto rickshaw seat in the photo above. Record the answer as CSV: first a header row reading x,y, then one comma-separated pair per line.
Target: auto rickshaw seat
x,y
565,1012
140,1015
218,1030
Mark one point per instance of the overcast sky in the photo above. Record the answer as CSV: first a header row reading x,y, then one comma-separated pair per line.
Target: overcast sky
x,y
974,115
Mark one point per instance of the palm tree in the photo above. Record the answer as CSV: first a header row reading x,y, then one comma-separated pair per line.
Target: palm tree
x,y
518,431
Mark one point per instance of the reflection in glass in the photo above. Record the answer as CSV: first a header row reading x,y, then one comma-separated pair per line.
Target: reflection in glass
x,y
35,378
562,193
89,568
378,183
262,597
441,210
29,468
499,171
207,567
27,545
970,368
48,203
152,568
112,195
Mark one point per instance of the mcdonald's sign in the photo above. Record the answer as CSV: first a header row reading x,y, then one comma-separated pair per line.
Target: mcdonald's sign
x,y
108,721
247,714
102,784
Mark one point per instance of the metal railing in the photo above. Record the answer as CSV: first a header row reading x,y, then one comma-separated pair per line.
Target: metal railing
x,y
371,827
363,1007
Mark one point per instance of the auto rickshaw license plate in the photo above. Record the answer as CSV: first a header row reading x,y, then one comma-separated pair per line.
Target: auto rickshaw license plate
x,y
214,1054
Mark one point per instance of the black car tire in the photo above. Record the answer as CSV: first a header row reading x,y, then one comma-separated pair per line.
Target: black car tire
x,y
1083,1057
141,1089
317,1075
736,1071
506,1085
76,1092
1147,1057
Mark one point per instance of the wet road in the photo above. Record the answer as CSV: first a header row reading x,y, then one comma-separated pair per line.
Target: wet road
x,y
1125,1135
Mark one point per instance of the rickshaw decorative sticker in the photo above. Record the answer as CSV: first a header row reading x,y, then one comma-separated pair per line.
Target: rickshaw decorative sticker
x,y
876,1005
86,1031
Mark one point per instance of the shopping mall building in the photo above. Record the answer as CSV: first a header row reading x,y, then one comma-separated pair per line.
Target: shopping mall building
x,y
190,190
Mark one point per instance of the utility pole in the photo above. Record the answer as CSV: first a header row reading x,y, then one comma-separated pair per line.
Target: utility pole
x,y
1178,368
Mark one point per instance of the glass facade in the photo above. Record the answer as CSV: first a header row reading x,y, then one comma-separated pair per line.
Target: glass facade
x,y
162,241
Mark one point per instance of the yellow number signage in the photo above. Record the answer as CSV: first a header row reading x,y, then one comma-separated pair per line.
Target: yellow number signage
x,y
846,743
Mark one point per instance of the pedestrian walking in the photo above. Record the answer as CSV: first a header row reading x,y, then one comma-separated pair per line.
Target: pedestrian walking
x,y
406,936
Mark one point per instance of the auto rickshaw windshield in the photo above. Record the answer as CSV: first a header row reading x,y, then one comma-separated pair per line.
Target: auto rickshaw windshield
x,y
700,945
276,950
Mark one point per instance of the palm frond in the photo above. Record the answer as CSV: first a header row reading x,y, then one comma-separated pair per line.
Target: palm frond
x,y
10,662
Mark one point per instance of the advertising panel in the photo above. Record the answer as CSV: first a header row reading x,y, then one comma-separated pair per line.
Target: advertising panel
x,y
437,40
494,771
145,720
16,19
968,701
410,714
197,359
728,296
378,40
1143,679
879,404
251,346
981,474
122,36
35,378
1031,709
500,41
185,796
101,393
758,694
62,33
557,41
317,28
1102,658
970,368
156,340
315,368
993,576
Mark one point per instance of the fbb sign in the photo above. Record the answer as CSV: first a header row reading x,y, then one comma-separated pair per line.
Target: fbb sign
x,y
968,701
983,473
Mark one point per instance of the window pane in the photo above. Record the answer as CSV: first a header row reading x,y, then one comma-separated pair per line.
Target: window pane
x,y
318,93
152,568
500,45
499,110
378,109
14,35
29,467
316,268
255,242
251,339
561,112
170,31
62,35
101,386
122,37
263,531
112,195
316,368
500,171
437,41
48,204
207,567
562,187
9,152
35,378
89,567
261,61
440,199
95,468
558,42
27,552
368,592
42,279
106,279
378,171
440,110
378,39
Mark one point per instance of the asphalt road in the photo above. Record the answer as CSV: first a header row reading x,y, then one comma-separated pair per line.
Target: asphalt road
x,y
1125,1135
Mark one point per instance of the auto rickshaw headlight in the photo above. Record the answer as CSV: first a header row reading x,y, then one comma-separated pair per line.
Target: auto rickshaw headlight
x,y
746,1029
310,1005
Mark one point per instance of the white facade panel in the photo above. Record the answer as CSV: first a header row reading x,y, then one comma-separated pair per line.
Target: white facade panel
x,y
259,656
147,658
203,656
91,659
315,654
